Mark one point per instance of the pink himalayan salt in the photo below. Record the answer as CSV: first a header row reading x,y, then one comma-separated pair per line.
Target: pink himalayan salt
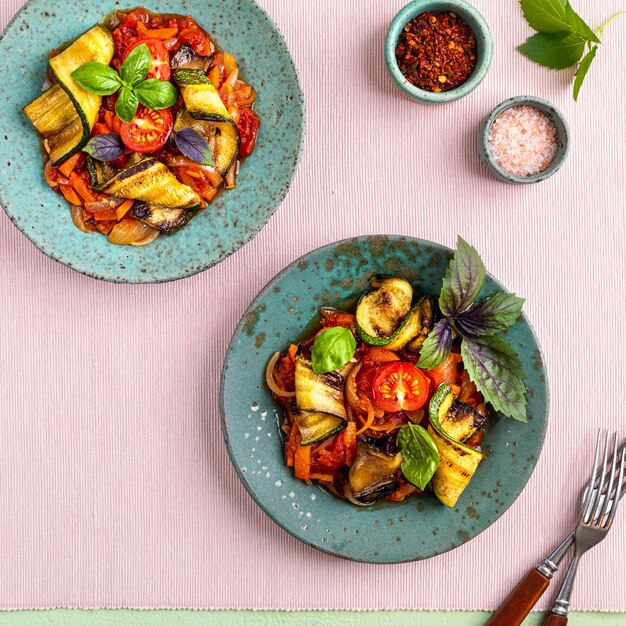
x,y
522,140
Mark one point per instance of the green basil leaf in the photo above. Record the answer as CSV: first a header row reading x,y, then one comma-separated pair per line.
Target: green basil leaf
x,y
420,457
493,315
126,105
97,78
463,281
156,94
495,369
137,65
436,346
548,16
579,25
583,68
555,50
332,349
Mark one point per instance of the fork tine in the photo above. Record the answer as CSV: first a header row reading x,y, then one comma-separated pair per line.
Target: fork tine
x,y
593,492
609,490
619,492
595,518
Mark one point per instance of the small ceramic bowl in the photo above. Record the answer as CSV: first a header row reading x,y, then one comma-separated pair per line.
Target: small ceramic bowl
x,y
562,136
471,17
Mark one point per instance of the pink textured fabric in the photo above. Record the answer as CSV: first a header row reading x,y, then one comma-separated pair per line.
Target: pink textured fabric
x,y
115,486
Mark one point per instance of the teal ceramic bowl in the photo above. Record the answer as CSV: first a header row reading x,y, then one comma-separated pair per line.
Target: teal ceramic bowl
x,y
418,528
241,28
562,136
471,17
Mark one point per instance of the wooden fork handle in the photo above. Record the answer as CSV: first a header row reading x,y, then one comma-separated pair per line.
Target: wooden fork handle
x,y
521,600
552,619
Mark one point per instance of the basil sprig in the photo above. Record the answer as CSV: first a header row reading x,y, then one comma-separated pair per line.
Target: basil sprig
x,y
420,457
491,362
332,349
131,83
562,39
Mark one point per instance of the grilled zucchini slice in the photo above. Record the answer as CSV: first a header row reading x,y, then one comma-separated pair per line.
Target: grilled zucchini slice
x,y
66,113
457,419
165,219
206,114
316,426
186,58
381,310
415,327
458,462
319,393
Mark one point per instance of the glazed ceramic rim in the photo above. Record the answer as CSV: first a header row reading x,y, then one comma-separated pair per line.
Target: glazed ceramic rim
x,y
268,509
554,115
255,229
475,21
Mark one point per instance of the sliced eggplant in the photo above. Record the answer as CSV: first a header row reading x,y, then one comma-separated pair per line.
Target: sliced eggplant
x,y
458,462
163,218
373,474
66,113
320,393
381,310
316,426
186,58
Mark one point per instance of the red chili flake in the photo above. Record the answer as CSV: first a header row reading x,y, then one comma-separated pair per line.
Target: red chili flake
x,y
436,51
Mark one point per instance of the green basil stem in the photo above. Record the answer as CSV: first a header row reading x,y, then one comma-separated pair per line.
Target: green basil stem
x,y
603,26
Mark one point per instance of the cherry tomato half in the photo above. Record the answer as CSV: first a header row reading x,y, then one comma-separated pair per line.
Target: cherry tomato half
x,y
248,125
149,130
160,65
400,386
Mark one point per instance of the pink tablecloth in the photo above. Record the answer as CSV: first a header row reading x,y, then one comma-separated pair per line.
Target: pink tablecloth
x,y
115,487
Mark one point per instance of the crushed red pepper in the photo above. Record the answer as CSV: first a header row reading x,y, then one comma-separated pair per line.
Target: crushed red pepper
x,y
436,51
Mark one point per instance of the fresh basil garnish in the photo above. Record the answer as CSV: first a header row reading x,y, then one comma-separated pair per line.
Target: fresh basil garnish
x,y
491,363
105,147
103,80
332,349
420,457
126,105
194,146
437,345
136,66
495,369
156,94
97,78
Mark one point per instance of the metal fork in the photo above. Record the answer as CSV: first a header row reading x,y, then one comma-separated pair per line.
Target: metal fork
x,y
594,523
521,600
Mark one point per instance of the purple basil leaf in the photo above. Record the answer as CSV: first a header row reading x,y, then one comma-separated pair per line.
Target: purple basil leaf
x,y
193,145
105,147
493,315
463,281
437,345
495,369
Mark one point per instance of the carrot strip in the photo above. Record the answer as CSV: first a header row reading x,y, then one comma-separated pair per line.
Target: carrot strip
x,y
302,462
160,33
349,438
70,195
327,478
68,167
82,188
215,76
109,215
124,208
109,116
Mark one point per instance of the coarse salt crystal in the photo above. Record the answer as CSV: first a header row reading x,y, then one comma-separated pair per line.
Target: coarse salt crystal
x,y
523,140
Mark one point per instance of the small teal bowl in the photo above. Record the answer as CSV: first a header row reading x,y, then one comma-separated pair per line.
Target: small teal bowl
x,y
562,137
471,17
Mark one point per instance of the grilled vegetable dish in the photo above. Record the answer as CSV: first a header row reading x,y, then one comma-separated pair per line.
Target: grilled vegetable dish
x,y
143,121
346,428
391,400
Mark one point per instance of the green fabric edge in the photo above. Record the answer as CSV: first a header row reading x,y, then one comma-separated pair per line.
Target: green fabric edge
x,y
129,617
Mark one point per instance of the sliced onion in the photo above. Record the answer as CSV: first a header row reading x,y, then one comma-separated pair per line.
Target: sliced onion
x,y
231,176
132,232
271,381
109,202
183,161
78,217
170,44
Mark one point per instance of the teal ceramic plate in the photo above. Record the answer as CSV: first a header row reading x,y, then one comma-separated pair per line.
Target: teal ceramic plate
x,y
386,532
241,28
